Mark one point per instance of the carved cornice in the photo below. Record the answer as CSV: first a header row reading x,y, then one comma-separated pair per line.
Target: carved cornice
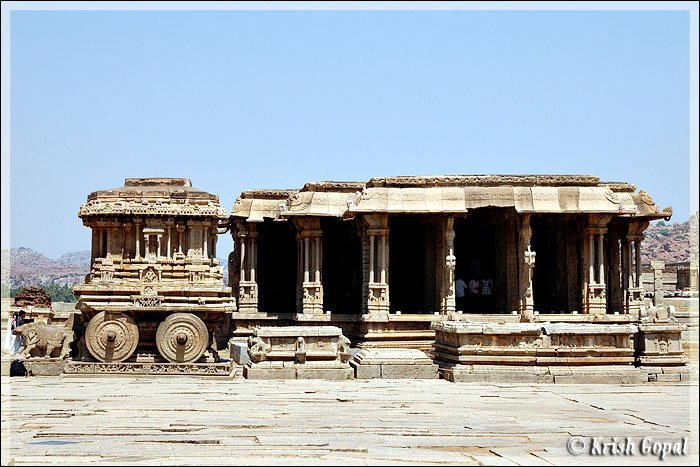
x,y
331,186
280,194
99,208
483,180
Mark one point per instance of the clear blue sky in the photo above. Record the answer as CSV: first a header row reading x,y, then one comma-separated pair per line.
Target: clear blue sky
x,y
238,100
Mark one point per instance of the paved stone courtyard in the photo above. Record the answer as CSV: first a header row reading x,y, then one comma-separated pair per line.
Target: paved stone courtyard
x,y
73,420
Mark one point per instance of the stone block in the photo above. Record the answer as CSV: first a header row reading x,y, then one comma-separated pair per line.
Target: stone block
x,y
396,356
560,370
299,343
44,367
657,360
651,369
675,370
501,376
239,352
447,374
394,363
582,378
668,378
303,372
389,371
636,377
496,374
660,343
366,371
586,329
5,367
602,375
268,372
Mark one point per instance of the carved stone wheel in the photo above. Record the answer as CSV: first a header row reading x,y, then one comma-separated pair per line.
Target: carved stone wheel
x,y
111,338
182,338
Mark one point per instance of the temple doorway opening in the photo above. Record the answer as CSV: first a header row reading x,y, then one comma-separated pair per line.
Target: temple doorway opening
x,y
277,267
557,274
483,240
413,264
342,267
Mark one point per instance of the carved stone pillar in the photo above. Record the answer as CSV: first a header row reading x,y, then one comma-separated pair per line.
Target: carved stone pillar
x,y
214,239
205,241
247,291
180,239
195,241
634,295
376,275
108,242
146,246
448,299
169,241
627,270
527,299
638,262
102,253
595,288
95,250
118,242
614,281
126,240
693,272
310,234
601,259
137,253
658,268
152,237
634,291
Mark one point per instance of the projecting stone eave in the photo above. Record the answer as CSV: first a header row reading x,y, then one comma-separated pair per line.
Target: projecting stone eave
x,y
320,203
619,187
451,195
334,186
525,199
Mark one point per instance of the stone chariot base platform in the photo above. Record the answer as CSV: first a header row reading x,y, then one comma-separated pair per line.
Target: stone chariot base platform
x,y
292,370
229,369
393,364
44,366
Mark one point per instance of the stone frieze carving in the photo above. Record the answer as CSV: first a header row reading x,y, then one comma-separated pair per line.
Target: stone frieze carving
x,y
169,209
209,369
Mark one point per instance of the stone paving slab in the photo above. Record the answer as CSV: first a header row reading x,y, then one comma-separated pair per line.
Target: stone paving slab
x,y
150,420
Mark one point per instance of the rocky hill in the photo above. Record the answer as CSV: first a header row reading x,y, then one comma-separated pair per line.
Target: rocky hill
x,y
76,257
23,267
672,243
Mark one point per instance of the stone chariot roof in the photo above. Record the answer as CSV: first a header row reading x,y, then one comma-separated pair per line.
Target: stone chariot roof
x,y
153,196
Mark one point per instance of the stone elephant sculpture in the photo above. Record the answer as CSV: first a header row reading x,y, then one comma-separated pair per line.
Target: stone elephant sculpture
x,y
44,338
